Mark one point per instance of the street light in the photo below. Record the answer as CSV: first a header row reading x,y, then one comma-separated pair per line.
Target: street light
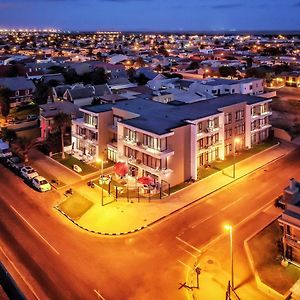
x,y
99,160
235,141
229,229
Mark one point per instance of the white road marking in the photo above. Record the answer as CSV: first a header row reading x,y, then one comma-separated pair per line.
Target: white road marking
x,y
99,295
186,243
187,251
215,214
19,273
261,209
184,264
24,220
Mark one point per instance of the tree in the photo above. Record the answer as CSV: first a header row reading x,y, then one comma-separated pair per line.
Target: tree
x,y
8,135
227,71
193,66
5,102
61,122
140,63
22,146
249,61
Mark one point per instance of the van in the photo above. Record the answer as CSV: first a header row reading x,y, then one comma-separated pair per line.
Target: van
x,y
4,149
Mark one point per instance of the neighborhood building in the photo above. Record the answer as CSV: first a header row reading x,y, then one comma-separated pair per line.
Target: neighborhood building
x,y
170,142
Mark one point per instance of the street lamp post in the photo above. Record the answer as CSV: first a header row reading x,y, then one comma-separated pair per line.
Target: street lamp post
x,y
229,228
101,161
235,141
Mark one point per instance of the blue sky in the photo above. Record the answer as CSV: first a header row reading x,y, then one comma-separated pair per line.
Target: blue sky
x,y
171,15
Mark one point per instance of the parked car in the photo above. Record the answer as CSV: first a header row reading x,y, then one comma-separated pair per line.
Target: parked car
x,y
4,150
41,184
28,172
77,169
15,163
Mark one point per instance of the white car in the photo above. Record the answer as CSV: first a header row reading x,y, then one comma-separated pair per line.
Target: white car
x,y
28,172
41,184
77,169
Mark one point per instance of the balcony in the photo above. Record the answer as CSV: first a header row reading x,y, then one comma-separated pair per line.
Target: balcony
x,y
81,123
261,114
138,163
292,241
208,131
145,149
209,147
260,127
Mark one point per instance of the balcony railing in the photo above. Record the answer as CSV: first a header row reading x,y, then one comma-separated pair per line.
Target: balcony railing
x,y
80,122
144,148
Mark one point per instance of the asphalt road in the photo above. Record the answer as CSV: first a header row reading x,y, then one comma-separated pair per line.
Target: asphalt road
x,y
289,93
52,259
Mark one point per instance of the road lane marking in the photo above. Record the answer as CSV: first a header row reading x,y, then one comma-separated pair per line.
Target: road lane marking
x,y
251,216
19,273
99,295
186,243
24,220
187,251
215,214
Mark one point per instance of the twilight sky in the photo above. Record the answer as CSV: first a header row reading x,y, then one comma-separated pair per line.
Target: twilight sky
x,y
173,15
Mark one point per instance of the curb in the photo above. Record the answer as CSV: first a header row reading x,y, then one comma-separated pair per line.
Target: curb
x,y
171,213
99,232
221,171
266,289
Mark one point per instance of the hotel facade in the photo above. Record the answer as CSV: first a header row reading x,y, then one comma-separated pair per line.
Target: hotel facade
x,y
170,142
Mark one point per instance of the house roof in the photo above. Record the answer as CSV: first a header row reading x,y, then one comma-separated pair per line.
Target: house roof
x,y
52,109
160,118
17,83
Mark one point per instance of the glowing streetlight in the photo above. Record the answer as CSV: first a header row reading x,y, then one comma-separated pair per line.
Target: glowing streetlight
x,y
229,229
99,160
235,142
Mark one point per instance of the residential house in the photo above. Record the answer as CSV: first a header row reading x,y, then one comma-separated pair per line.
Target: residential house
x,y
21,89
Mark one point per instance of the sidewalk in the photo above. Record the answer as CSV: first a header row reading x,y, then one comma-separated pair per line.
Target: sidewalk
x,y
215,264
123,217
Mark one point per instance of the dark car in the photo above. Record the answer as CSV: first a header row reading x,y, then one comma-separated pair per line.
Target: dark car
x,y
15,163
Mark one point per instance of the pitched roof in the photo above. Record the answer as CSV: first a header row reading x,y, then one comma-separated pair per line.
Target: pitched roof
x,y
17,83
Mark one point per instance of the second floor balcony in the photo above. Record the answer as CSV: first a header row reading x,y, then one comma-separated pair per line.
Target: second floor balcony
x,y
139,146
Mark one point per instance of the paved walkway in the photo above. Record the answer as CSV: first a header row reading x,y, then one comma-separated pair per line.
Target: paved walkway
x,y
215,264
123,217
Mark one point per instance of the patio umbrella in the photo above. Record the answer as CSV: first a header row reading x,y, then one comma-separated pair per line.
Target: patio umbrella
x,y
147,180
121,168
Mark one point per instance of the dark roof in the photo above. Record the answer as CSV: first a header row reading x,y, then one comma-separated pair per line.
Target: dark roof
x,y
17,83
160,118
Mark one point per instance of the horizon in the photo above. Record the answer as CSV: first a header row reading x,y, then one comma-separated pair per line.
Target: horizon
x,y
153,15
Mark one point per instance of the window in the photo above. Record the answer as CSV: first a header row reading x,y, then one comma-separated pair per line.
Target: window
x,y
128,152
239,115
151,162
130,134
17,93
90,119
240,129
228,118
228,133
27,92
155,143
199,127
116,119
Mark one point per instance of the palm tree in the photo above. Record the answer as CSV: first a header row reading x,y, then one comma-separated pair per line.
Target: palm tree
x,y
8,135
22,146
61,122
5,102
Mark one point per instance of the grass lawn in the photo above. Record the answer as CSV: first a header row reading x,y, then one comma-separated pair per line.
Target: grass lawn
x,y
222,164
70,160
75,206
267,260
